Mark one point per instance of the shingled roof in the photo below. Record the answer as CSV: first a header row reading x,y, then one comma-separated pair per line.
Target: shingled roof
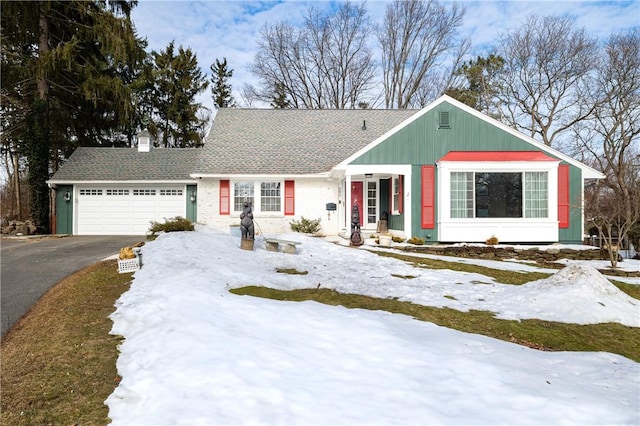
x,y
290,141
127,164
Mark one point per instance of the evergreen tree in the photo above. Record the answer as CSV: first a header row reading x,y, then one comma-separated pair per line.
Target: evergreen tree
x,y
176,81
220,86
61,69
479,86
280,99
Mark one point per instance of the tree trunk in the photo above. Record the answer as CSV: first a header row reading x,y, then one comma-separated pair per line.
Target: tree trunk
x,y
43,51
38,140
15,177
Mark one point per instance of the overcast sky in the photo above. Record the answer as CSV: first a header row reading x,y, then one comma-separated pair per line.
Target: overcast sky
x,y
218,29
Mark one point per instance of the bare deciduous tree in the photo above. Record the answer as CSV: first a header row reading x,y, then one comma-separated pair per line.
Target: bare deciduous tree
x,y
547,63
324,64
610,138
416,37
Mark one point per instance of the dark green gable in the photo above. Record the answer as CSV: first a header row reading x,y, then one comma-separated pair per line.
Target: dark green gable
x,y
447,127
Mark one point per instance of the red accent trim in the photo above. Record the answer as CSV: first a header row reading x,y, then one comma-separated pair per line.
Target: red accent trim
x,y
563,196
496,156
225,197
289,197
428,197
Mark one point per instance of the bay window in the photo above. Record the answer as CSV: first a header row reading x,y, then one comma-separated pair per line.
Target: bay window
x,y
499,195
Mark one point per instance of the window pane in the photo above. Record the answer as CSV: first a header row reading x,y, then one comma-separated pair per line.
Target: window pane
x,y
498,194
461,189
270,196
396,194
242,191
536,194
371,201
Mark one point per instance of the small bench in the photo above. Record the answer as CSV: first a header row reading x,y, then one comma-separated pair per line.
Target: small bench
x,y
274,244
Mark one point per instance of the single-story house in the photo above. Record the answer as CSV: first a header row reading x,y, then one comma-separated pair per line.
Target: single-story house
x,y
445,173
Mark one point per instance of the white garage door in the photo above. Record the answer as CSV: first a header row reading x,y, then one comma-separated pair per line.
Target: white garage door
x,y
126,210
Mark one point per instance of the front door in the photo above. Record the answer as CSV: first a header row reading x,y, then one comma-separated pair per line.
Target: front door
x,y
357,199
366,201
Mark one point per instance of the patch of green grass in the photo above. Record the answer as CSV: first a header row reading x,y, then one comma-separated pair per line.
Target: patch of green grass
x,y
404,277
59,361
291,271
500,276
546,335
504,277
631,289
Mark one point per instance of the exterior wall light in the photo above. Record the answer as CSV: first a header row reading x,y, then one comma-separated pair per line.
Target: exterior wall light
x,y
368,175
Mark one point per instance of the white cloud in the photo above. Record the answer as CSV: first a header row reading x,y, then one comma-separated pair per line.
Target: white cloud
x,y
218,29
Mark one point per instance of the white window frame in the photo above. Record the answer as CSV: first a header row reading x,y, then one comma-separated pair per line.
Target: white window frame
x,y
256,199
528,204
506,229
395,196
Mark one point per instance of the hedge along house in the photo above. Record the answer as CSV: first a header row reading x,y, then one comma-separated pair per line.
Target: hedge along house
x,y
446,173
119,191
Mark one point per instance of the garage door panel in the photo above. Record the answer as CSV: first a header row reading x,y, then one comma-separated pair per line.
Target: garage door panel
x,y
126,210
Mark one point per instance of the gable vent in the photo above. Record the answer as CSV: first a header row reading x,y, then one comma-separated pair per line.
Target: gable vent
x,y
444,121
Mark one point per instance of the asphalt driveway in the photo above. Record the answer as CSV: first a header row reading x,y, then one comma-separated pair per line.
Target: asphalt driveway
x,y
30,267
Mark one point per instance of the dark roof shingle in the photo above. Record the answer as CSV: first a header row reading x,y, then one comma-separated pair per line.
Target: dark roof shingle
x,y
127,164
290,141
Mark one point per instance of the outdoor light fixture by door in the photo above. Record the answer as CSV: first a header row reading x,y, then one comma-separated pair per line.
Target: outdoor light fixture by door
x,y
368,175
67,196
193,196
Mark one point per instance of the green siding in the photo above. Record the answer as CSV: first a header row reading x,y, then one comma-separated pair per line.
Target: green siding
x,y
192,206
429,235
421,143
573,234
64,210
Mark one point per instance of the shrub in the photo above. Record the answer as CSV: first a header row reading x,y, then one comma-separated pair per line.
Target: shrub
x,y
397,239
492,241
306,226
416,241
175,224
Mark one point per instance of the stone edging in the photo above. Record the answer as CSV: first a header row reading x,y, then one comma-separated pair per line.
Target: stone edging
x,y
547,258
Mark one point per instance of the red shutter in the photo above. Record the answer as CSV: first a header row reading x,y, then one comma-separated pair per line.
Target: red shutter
x,y
225,197
400,193
428,197
289,197
563,196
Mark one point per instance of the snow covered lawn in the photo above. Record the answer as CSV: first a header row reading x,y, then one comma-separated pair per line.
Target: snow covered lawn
x,y
195,354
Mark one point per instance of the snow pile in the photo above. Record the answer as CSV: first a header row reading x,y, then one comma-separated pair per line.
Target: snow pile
x,y
577,291
195,354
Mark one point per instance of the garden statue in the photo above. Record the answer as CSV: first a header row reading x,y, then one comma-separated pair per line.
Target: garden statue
x,y
356,238
246,222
